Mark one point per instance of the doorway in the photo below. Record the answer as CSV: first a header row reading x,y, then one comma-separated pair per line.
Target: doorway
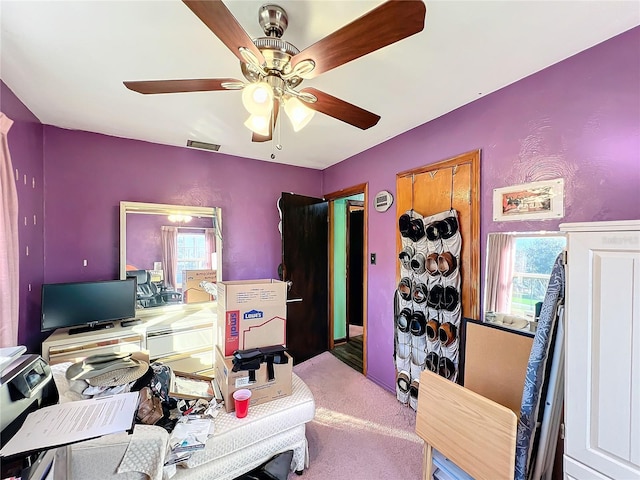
x,y
355,238
348,275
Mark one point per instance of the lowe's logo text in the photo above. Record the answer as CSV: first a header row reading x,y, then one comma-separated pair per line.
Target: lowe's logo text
x,y
252,315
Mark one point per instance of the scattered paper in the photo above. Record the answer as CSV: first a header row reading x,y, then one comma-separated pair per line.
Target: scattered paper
x,y
191,434
71,422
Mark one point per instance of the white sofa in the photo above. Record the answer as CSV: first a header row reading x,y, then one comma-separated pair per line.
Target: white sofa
x,y
237,446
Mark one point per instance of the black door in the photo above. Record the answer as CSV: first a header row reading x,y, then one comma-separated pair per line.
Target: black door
x,y
354,268
305,265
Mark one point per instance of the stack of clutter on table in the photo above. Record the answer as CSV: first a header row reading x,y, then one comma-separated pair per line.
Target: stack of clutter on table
x,y
250,352
181,403
233,449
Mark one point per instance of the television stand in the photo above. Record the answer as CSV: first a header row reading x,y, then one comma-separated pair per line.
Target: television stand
x,y
91,328
185,341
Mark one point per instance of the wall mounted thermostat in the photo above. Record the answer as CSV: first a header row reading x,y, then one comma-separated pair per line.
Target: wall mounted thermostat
x,y
382,201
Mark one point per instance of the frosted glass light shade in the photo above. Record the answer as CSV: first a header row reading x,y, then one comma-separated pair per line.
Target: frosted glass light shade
x,y
299,114
258,124
257,98
179,218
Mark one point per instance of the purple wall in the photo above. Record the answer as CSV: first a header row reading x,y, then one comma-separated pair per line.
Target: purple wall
x,y
579,120
25,143
87,175
144,240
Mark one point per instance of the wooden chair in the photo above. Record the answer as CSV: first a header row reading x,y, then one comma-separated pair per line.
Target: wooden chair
x,y
475,433
496,361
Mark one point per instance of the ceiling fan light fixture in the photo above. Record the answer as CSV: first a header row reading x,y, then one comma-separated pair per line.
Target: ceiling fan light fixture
x,y
179,218
274,67
257,98
259,124
299,114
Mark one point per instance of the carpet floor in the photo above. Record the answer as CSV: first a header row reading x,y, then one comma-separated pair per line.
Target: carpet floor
x,y
360,431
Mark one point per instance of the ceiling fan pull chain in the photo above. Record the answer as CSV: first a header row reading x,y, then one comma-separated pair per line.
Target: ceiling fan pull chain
x,y
279,124
272,131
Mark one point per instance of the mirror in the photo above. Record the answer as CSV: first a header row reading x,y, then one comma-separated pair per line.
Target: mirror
x,y
518,268
173,251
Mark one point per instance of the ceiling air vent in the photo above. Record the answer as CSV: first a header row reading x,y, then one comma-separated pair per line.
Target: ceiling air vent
x,y
203,145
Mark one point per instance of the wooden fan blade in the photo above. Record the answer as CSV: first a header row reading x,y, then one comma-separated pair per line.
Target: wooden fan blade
x,y
215,15
178,86
382,26
341,110
256,137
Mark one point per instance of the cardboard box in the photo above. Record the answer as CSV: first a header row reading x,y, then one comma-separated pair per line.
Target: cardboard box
x,y
193,285
156,275
251,314
261,391
192,386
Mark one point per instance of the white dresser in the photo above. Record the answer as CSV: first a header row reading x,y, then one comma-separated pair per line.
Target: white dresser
x,y
183,339
602,384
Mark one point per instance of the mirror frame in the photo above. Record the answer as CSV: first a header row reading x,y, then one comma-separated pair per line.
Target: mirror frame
x,y
165,209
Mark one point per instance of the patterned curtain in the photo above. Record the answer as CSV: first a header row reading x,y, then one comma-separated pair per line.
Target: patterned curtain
x,y
9,247
500,263
170,255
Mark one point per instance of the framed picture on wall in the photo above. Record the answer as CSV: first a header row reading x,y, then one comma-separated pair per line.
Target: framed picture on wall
x,y
529,201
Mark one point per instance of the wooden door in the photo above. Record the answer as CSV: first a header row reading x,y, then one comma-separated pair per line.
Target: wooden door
x,y
453,183
602,389
305,266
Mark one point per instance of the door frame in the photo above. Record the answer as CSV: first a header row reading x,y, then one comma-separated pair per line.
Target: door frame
x,y
331,197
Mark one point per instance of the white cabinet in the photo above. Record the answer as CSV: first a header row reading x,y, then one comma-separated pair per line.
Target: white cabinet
x,y
185,349
183,339
62,347
602,384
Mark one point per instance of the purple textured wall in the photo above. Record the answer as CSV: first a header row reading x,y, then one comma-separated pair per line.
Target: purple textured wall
x,y
579,120
144,240
87,175
25,146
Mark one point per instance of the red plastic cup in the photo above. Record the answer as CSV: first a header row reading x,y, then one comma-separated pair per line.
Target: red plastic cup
x,y
241,399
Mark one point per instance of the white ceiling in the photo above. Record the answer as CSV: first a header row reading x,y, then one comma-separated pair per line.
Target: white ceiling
x,y
66,61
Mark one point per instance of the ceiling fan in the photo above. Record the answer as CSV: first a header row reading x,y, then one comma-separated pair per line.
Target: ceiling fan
x,y
274,67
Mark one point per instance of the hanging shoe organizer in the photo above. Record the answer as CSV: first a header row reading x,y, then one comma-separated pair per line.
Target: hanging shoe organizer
x,y
428,311
428,297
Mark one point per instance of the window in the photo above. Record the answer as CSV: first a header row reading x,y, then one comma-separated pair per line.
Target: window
x,y
534,258
192,253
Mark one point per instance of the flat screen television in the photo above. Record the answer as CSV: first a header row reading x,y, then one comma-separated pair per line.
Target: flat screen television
x,y
87,305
